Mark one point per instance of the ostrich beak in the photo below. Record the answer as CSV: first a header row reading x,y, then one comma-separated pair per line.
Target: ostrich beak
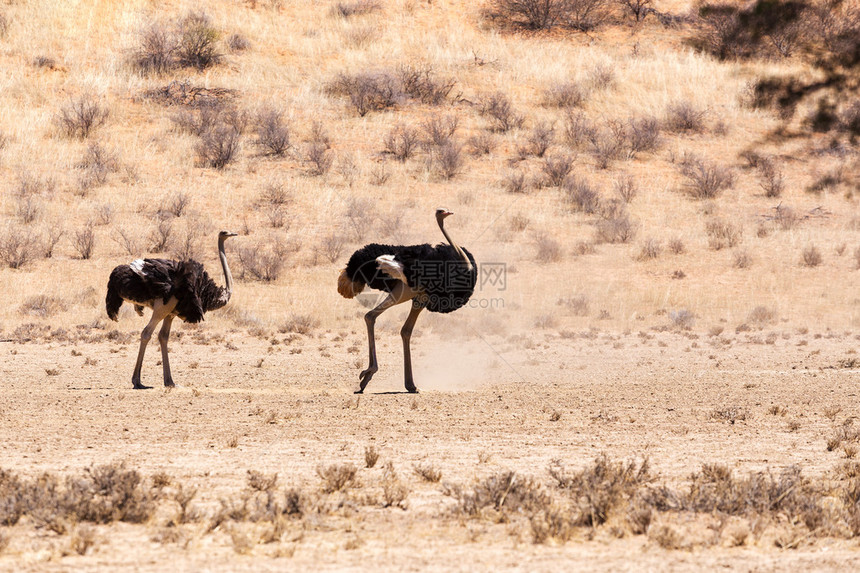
x,y
232,234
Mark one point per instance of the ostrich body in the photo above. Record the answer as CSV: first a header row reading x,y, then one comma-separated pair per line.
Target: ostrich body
x,y
440,279
171,289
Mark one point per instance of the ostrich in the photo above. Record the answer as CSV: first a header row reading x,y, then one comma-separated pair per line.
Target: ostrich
x,y
440,279
170,289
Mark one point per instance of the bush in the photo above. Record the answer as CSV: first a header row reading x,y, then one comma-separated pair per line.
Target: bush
x,y
548,249
538,141
564,95
356,8
299,324
581,196
608,144
651,249
402,142
705,180
17,246
723,234
218,146
273,135
420,83
556,168
530,14
197,42
625,187
482,144
97,163
638,9
811,256
157,50
501,114
643,135
617,228
337,477
447,159
84,241
685,117
515,182
578,129
367,91
439,130
81,116
771,178
263,260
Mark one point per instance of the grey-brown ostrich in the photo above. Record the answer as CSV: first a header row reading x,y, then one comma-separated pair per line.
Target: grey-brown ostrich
x,y
440,279
171,289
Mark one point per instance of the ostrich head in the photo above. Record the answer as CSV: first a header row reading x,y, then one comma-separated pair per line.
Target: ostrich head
x,y
226,235
442,213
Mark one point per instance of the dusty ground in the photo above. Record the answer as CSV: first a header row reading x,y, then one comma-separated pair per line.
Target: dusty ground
x,y
248,404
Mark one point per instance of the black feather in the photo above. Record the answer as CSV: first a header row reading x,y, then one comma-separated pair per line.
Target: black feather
x,y
161,279
437,271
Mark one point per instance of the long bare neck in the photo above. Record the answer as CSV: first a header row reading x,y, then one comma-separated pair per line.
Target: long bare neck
x,y
228,278
459,251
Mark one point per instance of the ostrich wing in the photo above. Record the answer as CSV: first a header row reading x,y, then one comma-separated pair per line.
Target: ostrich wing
x,y
391,267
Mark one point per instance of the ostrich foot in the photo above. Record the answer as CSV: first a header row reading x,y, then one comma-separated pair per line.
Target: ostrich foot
x,y
412,390
365,377
169,384
138,386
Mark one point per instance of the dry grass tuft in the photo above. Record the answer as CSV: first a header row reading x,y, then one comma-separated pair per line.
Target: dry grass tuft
x,y
337,477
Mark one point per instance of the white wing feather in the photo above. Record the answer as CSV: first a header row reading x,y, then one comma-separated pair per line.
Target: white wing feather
x,y
390,267
137,266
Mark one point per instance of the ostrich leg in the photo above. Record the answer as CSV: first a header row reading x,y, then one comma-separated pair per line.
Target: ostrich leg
x,y
160,311
406,334
163,335
370,319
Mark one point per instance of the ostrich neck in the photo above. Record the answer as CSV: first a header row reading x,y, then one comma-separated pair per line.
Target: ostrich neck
x,y
460,252
228,278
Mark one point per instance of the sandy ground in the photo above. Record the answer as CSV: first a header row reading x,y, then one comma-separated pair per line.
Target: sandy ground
x,y
485,406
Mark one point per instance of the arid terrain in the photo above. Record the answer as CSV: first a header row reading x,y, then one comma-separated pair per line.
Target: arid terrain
x,y
658,369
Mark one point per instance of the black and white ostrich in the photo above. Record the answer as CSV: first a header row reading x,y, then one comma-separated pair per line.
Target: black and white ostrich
x,y
170,289
440,279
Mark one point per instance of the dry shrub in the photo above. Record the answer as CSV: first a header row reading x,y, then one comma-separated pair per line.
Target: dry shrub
x,y
608,143
599,490
84,241
638,9
273,134
394,492
439,130
676,246
367,91
504,492
704,179
730,414
157,50
529,14
97,164
81,116
42,306
556,169
548,249
578,129
501,114
337,477
197,42
650,250
481,144
427,472
577,303
580,195
771,178
811,256
515,182
786,218
371,456
360,214
682,318
618,228
643,135
299,324
420,83
538,141
218,146
402,142
741,259
356,8
53,232
264,260
331,246
684,117
447,160
318,155
625,187
564,95
238,43
722,234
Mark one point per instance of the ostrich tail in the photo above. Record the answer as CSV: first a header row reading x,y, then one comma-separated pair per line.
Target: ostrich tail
x,y
113,300
347,287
